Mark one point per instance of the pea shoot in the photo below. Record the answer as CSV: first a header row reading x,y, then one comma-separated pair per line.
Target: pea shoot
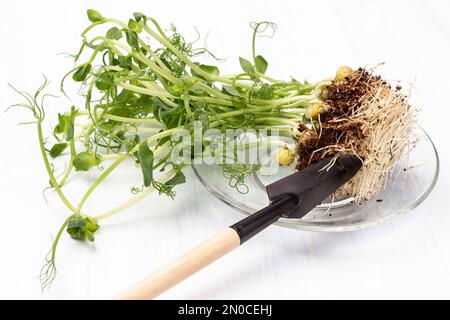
x,y
137,94
141,85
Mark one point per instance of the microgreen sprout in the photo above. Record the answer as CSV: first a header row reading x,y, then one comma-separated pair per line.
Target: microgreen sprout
x,y
141,86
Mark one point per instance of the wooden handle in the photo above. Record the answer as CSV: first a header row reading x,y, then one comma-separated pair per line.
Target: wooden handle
x,y
184,266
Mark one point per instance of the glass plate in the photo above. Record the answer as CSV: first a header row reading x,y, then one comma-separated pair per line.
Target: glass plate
x,y
411,182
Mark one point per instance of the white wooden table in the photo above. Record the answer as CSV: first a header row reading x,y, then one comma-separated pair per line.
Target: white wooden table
x,y
405,258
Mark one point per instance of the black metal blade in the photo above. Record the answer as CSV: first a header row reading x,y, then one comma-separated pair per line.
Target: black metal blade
x,y
313,184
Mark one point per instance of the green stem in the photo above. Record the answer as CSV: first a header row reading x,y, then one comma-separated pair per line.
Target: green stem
x,y
133,200
273,120
58,236
156,57
163,72
212,100
99,180
212,91
294,101
131,120
244,111
266,77
91,59
158,27
116,163
69,169
254,44
124,119
157,69
152,86
145,90
186,103
111,156
188,62
287,100
50,171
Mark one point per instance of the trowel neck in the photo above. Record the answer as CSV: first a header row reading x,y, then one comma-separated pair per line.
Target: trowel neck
x,y
263,218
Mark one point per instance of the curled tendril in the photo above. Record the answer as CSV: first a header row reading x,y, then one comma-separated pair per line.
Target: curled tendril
x,y
264,29
136,190
237,174
33,103
164,188
204,50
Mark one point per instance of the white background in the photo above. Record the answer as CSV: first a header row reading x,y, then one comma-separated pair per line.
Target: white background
x,y
405,258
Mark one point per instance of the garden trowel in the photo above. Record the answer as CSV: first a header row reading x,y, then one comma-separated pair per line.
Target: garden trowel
x,y
291,197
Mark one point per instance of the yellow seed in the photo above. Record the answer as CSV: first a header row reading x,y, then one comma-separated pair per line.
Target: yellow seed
x,y
285,156
313,110
343,72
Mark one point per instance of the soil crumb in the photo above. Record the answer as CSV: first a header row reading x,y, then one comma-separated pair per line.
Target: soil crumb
x,y
366,117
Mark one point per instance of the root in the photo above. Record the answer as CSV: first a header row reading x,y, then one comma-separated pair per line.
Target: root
x,y
367,118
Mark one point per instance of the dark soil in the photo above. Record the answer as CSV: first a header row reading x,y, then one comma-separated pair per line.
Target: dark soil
x,y
335,127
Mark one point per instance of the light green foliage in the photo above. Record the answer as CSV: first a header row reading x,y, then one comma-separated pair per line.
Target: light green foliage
x,y
261,64
139,84
57,149
114,33
85,160
94,16
82,228
212,70
264,91
247,67
82,73
145,156
178,178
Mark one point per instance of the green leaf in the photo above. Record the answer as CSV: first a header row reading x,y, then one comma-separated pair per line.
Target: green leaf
x,y
125,62
239,102
213,70
138,16
105,81
70,130
132,142
103,84
82,72
161,141
261,64
60,127
134,26
145,157
94,16
247,66
85,160
264,91
57,149
141,64
114,33
169,117
160,104
65,127
132,39
69,124
178,178
231,90
82,228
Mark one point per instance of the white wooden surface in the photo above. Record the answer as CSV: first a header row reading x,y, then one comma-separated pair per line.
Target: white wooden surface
x,y
406,258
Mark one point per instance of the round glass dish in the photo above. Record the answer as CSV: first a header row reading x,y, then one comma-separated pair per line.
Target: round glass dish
x,y
411,182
